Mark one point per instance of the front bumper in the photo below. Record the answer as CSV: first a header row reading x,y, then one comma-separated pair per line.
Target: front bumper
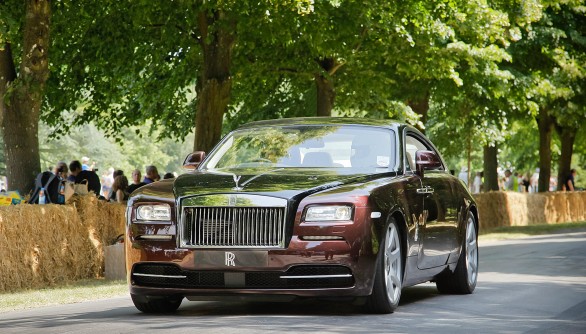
x,y
311,273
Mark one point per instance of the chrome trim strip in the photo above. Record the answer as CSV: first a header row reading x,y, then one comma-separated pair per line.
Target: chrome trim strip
x,y
160,276
160,237
152,222
319,276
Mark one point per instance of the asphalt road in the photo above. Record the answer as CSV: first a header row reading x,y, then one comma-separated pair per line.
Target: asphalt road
x,y
532,285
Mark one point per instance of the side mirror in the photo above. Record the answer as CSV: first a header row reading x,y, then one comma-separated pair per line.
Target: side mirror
x,y
194,159
426,160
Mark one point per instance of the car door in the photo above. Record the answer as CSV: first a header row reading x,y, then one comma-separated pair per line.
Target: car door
x,y
438,228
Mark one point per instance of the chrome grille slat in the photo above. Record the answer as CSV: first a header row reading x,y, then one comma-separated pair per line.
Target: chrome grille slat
x,y
227,226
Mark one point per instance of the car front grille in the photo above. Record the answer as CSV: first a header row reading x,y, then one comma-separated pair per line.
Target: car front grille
x,y
239,227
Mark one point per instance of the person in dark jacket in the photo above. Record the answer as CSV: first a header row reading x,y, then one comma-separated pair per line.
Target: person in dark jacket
x,y
78,175
136,183
152,175
570,185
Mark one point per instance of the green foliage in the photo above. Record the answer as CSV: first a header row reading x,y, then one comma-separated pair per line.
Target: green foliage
x,y
133,69
11,16
132,151
123,63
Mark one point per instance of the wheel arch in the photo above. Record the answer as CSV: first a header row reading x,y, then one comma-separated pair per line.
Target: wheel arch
x,y
474,211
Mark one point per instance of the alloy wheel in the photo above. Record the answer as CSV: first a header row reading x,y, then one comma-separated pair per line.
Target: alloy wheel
x,y
392,263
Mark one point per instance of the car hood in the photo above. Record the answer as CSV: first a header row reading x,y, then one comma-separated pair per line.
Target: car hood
x,y
278,182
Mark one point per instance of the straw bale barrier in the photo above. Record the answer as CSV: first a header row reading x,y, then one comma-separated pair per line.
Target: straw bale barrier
x,y
42,245
500,208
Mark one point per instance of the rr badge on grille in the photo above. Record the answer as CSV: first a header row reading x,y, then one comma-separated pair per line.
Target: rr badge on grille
x,y
229,259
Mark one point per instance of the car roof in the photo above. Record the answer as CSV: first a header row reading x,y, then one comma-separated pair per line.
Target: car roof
x,y
326,121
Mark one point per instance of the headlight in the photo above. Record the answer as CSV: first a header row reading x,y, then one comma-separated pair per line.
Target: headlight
x,y
330,212
153,212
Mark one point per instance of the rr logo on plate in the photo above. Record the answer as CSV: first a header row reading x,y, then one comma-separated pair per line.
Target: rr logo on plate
x,y
229,259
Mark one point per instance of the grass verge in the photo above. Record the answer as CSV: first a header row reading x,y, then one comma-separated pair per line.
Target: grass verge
x,y
75,292
85,290
515,232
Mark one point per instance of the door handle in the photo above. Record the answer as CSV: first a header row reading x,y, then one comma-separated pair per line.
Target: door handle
x,y
425,190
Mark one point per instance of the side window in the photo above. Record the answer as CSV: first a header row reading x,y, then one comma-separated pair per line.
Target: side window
x,y
412,145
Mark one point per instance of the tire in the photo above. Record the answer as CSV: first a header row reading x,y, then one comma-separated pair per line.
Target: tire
x,y
159,305
388,279
463,279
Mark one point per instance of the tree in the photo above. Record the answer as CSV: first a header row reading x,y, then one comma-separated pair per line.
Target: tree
x,y
550,58
126,62
349,55
24,69
475,103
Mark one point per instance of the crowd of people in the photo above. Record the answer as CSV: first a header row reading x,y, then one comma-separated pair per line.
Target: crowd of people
x,y
519,182
113,185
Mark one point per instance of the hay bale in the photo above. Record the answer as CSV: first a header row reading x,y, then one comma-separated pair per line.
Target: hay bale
x,y
492,209
577,205
535,209
44,245
104,222
516,208
562,207
519,209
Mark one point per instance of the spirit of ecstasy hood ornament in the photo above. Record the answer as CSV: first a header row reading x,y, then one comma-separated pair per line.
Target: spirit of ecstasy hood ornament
x,y
236,179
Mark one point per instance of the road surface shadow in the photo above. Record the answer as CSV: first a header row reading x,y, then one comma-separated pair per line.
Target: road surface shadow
x,y
300,307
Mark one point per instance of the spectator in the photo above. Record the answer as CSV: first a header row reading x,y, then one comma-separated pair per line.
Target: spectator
x,y
508,181
534,181
135,181
152,175
570,184
464,175
107,181
112,194
85,164
78,175
168,176
119,189
520,186
553,183
61,170
526,182
477,184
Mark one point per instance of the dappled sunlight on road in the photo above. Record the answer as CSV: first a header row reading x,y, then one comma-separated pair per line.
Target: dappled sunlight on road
x,y
494,277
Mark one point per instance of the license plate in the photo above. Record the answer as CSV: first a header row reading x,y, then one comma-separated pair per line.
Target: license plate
x,y
230,259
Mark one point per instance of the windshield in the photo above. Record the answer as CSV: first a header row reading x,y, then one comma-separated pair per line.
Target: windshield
x,y
306,146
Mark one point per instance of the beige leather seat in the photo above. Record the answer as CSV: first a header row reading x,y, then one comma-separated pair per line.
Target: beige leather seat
x,y
317,159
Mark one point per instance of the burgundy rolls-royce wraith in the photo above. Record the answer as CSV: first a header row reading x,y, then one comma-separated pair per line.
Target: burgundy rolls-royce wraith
x,y
306,207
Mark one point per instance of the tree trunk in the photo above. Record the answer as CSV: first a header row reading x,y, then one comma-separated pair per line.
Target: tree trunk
x,y
21,97
545,125
490,168
215,81
567,137
325,95
420,107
